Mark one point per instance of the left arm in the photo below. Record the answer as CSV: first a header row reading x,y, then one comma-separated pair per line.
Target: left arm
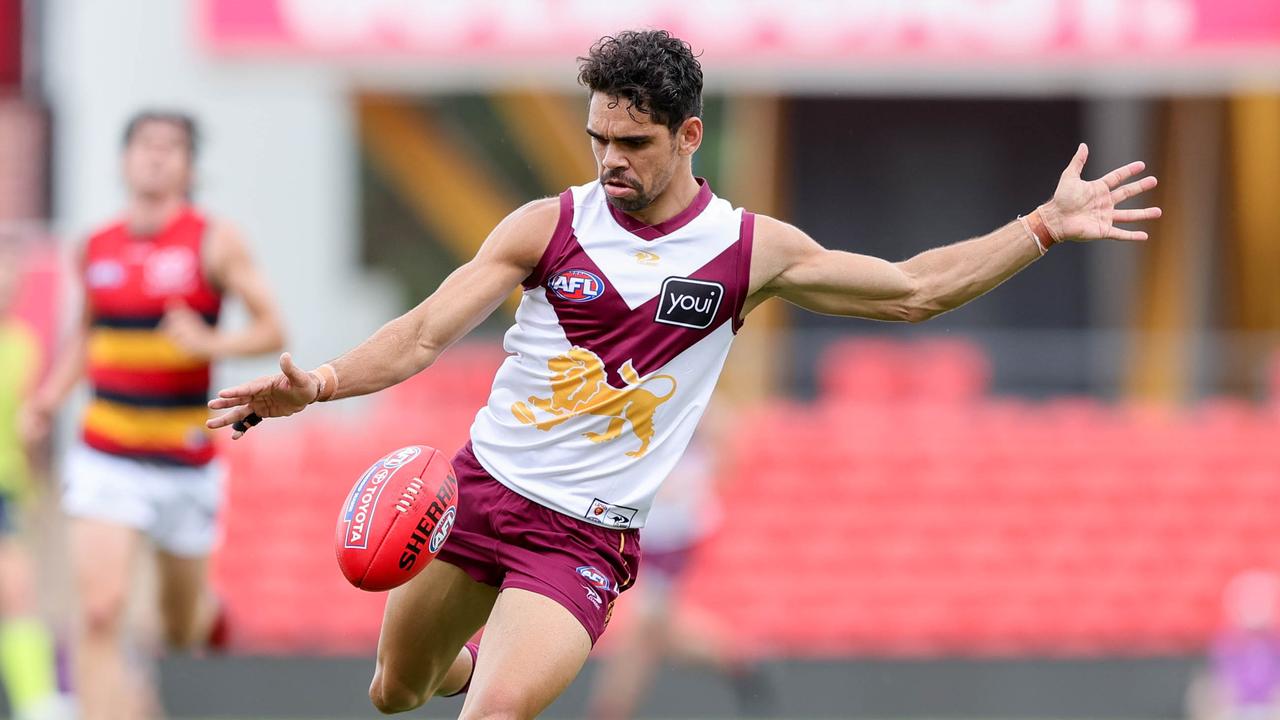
x,y
229,266
791,265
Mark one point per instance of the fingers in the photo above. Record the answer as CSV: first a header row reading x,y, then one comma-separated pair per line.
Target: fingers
x,y
1119,175
1121,234
1076,166
1138,187
235,415
221,403
1128,216
247,390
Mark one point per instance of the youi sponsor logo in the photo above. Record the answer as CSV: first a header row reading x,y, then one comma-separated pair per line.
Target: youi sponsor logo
x,y
689,303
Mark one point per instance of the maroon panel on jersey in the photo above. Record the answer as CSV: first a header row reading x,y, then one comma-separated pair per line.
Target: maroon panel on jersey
x,y
615,332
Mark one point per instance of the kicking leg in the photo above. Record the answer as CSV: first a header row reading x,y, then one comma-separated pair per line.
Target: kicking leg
x,y
424,628
532,649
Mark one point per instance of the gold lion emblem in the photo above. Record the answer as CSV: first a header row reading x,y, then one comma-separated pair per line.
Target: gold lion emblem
x,y
579,387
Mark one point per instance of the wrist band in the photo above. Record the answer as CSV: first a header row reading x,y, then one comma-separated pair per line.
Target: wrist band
x,y
1037,230
328,380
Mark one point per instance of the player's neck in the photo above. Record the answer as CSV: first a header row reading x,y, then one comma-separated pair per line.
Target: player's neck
x,y
679,195
148,214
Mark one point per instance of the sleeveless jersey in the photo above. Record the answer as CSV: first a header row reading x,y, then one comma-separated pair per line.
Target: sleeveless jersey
x,y
619,339
148,395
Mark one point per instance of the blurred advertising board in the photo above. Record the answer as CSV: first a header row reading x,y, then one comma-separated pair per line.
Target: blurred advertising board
x,y
800,33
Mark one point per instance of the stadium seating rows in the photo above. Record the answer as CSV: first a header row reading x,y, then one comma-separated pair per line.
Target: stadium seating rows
x,y
904,512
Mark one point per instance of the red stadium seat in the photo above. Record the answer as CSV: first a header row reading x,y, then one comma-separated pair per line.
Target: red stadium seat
x,y
907,514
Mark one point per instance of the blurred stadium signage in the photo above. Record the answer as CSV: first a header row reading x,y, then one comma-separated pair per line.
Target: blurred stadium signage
x,y
805,36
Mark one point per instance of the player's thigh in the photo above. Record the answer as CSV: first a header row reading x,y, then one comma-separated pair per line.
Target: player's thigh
x,y
183,595
532,649
424,626
102,554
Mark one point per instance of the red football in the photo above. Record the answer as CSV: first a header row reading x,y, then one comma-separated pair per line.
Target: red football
x,y
396,518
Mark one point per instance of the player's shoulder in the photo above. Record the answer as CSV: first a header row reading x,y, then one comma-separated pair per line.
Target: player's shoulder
x,y
222,241
104,231
524,234
538,213
777,237
776,246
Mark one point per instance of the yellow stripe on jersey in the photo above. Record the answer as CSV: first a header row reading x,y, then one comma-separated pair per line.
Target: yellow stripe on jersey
x,y
138,350
148,429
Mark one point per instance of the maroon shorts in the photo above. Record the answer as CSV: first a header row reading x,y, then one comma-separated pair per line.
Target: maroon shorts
x,y
503,539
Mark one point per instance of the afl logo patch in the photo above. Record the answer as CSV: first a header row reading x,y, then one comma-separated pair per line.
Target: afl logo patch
x,y
577,285
442,531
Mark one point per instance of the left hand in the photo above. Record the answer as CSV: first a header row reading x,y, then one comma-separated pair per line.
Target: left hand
x,y
1083,210
187,329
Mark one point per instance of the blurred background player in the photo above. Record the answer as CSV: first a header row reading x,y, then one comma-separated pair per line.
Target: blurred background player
x,y
27,661
1243,678
154,283
685,512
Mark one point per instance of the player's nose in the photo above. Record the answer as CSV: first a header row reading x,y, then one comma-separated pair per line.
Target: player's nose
x,y
613,159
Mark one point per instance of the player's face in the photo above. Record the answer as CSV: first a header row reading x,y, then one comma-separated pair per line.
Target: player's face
x,y
635,158
157,160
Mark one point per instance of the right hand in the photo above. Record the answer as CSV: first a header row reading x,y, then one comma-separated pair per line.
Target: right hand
x,y
269,396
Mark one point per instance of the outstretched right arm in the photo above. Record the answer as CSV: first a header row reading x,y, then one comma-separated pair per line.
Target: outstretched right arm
x,y
413,341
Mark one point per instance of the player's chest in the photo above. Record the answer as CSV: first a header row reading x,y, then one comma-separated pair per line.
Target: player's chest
x,y
674,284
143,272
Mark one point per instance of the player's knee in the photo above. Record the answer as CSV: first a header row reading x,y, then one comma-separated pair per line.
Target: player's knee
x,y
390,696
102,614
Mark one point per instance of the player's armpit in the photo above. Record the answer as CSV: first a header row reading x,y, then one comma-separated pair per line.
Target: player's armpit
x,y
789,264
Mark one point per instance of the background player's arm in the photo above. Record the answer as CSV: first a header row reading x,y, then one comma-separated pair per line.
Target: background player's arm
x,y
229,266
791,265
411,342
43,403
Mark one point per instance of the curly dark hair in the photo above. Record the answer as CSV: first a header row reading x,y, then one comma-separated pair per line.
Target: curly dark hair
x,y
656,73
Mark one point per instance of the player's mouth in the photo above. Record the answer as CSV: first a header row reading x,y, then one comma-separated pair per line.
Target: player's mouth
x,y
618,188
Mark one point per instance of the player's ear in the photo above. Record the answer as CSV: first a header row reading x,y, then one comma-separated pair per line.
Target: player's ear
x,y
689,136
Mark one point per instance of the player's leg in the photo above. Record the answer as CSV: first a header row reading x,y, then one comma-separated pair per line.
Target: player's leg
x,y
425,627
102,554
187,605
26,649
187,502
533,647
112,503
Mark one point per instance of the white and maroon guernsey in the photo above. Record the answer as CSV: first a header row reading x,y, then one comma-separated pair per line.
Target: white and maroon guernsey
x,y
618,342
